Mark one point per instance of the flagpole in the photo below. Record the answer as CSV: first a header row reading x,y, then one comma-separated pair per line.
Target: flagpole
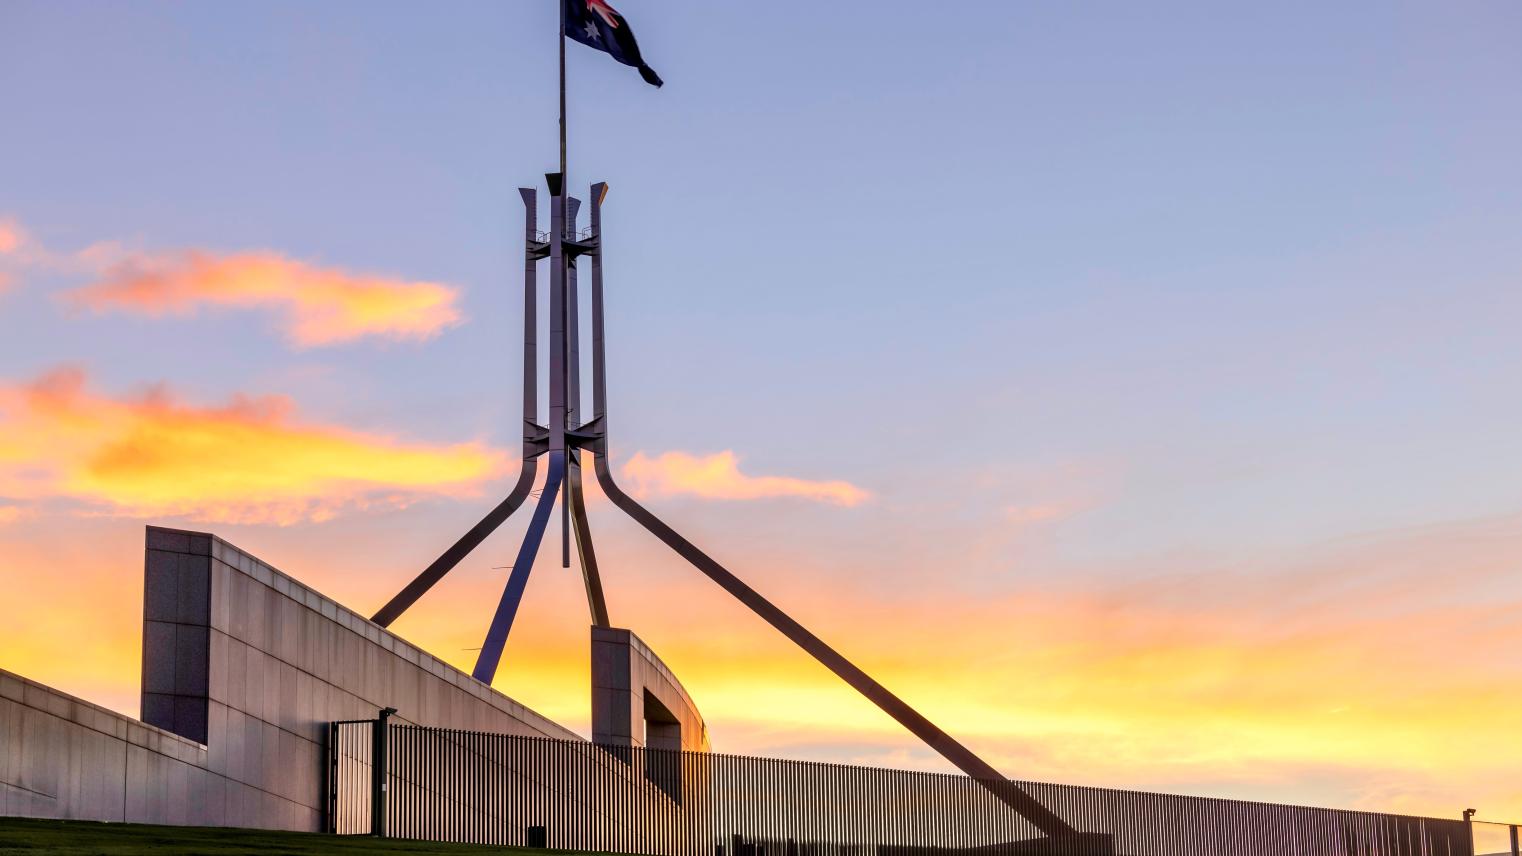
x,y
563,182
560,258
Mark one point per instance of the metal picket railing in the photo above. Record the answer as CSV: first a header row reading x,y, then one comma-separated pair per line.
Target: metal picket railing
x,y
447,785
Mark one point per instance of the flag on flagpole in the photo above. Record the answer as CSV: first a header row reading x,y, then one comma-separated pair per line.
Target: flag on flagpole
x,y
597,25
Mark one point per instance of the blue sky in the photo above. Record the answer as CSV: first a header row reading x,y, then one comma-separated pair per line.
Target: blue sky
x,y
1118,300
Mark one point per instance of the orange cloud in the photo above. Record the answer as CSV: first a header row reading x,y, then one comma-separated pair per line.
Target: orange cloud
x,y
21,252
248,461
718,476
320,306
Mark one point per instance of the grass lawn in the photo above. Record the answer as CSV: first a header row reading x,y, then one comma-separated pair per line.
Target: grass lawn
x,y
83,838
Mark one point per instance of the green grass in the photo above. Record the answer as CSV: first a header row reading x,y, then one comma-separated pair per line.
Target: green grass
x,y
83,838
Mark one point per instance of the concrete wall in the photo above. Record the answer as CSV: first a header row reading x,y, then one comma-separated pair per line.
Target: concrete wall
x,y
66,758
242,669
636,700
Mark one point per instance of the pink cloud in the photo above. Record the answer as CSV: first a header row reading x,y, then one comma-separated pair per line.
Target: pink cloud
x,y
718,476
11,237
318,306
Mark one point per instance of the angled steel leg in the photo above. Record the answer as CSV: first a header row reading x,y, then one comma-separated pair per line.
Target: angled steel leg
x,y
512,594
532,435
584,550
1039,815
863,683
446,563
574,502
507,608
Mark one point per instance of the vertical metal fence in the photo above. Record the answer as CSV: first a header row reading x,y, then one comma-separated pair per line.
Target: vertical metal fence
x,y
447,785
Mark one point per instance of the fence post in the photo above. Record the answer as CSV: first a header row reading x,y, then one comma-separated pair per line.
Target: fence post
x,y
1515,850
1469,828
331,779
378,773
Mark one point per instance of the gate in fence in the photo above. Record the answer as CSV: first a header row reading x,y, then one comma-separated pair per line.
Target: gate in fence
x,y
352,777
435,784
1496,839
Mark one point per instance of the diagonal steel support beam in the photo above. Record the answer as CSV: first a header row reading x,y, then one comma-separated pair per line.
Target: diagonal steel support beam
x,y
574,502
927,731
533,435
1006,791
507,608
517,582
455,554
596,604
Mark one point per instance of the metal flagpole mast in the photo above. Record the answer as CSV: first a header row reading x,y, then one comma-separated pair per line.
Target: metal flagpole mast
x,y
563,182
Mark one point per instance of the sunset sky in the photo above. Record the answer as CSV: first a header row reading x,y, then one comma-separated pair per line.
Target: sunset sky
x,y
1134,388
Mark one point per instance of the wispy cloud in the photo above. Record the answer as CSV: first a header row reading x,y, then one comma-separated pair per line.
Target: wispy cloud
x,y
22,253
317,305
251,460
718,476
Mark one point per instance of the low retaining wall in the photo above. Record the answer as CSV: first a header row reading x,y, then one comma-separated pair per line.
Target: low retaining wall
x,y
243,667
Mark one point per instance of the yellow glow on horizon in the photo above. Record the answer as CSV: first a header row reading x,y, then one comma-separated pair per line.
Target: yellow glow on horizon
x,y
1158,701
1262,687
718,476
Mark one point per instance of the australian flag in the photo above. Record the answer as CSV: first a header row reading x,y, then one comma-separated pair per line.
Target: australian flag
x,y
597,25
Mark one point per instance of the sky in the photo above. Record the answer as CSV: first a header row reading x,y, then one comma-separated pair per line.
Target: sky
x,y
1131,387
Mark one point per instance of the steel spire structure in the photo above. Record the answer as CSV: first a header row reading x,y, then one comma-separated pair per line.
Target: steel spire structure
x,y
563,439
565,435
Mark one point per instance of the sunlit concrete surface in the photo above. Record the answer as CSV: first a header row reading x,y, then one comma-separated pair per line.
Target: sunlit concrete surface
x,y
243,667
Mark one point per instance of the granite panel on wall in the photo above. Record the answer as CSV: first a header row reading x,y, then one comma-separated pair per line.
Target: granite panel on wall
x,y
176,633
